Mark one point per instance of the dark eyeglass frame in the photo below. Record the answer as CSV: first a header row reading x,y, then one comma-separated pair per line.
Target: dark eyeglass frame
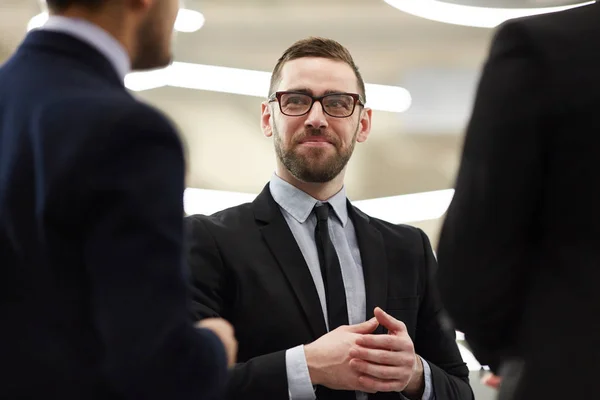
x,y
277,97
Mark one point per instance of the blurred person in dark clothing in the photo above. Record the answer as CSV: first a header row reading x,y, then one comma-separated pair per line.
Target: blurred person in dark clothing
x,y
519,253
92,289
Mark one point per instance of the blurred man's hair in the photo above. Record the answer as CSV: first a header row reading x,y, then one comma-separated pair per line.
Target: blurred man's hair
x,y
60,5
316,47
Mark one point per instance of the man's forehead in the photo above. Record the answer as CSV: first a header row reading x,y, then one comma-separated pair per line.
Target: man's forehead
x,y
318,75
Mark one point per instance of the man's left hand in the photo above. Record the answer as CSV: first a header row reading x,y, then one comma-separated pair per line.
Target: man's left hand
x,y
388,362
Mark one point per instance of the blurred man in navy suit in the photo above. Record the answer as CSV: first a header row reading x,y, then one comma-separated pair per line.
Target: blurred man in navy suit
x,y
92,294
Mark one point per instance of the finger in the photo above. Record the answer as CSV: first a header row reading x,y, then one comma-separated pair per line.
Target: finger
x,y
389,322
371,384
383,357
386,342
365,327
386,372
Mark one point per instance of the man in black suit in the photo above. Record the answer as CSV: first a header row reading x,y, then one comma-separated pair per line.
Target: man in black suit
x,y
519,252
92,287
306,278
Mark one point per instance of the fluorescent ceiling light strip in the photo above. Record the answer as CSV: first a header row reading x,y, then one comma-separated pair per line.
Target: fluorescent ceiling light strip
x,y
207,202
249,83
187,20
395,209
482,17
408,208
219,79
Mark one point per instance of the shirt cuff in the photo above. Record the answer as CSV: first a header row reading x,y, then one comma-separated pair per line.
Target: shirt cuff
x,y
299,385
428,393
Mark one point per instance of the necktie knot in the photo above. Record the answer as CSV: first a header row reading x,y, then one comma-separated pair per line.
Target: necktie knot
x,y
322,211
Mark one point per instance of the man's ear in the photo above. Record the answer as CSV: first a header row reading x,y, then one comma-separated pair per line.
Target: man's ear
x,y
266,119
364,125
140,5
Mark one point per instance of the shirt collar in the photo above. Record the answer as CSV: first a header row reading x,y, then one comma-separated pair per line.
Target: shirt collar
x,y
95,36
300,204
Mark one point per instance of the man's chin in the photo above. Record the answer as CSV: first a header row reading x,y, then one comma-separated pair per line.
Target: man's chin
x,y
315,153
316,164
311,173
313,177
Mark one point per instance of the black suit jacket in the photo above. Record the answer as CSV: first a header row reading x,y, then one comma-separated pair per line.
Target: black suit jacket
x,y
519,253
248,268
92,292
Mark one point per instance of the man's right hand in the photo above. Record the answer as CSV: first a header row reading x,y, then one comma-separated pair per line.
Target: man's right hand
x,y
328,357
491,380
224,331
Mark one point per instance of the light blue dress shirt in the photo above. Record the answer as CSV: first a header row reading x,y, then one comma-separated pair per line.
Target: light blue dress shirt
x,y
96,37
297,207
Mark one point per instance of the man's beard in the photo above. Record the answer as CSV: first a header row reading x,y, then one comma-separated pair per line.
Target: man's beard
x,y
151,53
312,166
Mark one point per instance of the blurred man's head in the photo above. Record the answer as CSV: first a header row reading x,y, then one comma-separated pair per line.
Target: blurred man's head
x,y
315,139
145,27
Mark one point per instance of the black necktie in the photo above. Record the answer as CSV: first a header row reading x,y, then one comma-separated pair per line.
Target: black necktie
x,y
335,293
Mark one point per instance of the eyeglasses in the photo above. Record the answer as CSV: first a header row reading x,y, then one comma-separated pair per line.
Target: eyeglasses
x,y
295,104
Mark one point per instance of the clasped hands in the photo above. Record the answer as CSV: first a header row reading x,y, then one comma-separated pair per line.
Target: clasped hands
x,y
353,358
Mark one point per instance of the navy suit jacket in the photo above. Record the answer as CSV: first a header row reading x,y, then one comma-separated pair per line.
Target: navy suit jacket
x,y
93,303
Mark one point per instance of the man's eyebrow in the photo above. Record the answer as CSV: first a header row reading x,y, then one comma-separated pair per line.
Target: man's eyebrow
x,y
301,90
309,91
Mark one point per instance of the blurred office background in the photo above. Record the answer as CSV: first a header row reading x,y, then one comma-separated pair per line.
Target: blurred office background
x,y
426,54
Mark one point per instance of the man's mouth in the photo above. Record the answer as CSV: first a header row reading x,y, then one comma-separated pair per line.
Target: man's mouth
x,y
316,141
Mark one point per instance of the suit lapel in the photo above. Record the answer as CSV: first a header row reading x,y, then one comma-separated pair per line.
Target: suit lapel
x,y
281,242
374,261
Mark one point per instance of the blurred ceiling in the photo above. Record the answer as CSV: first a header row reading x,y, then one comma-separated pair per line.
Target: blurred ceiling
x,y
514,3
411,152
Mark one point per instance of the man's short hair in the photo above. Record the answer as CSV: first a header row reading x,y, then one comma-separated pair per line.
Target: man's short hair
x,y
60,5
316,47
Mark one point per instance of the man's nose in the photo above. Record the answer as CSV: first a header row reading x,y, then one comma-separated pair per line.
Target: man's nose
x,y
316,117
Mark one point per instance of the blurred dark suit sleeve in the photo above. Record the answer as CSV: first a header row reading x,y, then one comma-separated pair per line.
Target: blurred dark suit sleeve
x,y
483,252
133,255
